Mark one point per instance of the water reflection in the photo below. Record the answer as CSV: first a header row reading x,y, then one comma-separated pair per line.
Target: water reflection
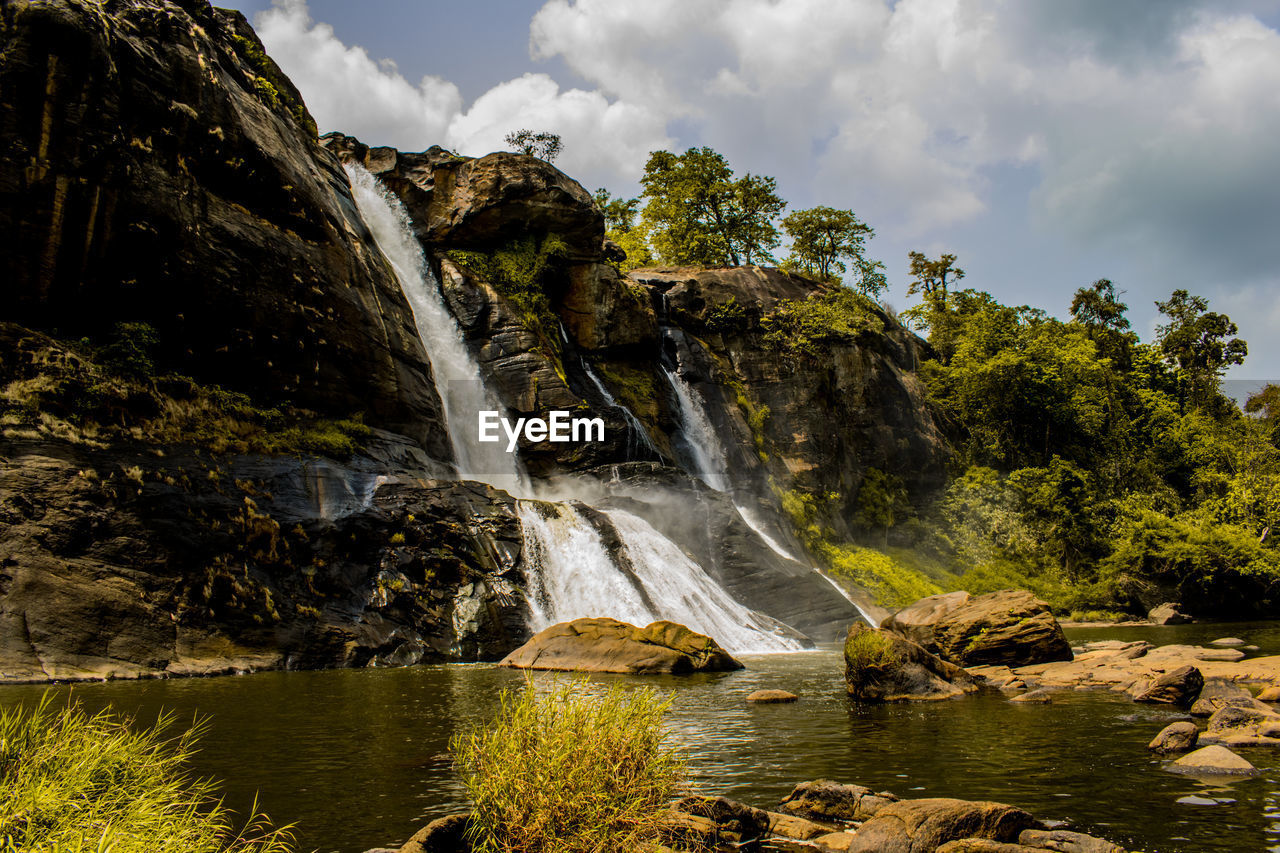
x,y
358,758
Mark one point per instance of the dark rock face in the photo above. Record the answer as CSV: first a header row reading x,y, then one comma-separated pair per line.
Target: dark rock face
x,y
443,835
125,565
880,666
607,645
156,166
1012,627
922,826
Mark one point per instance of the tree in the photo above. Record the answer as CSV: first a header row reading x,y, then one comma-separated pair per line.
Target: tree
x,y
1098,308
929,278
696,213
1198,343
545,146
822,238
1265,405
620,227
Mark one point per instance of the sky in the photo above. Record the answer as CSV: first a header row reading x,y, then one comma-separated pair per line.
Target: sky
x,y
1045,143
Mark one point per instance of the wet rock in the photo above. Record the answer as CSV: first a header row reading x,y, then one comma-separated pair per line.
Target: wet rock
x,y
771,697
1269,694
881,666
982,845
1179,687
917,621
1011,627
1235,721
1175,737
607,645
1066,841
793,826
1227,641
445,835
1168,614
715,820
1040,696
917,826
1213,761
1218,693
1229,655
824,800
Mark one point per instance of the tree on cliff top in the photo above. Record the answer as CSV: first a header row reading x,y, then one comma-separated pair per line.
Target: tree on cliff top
x,y
545,146
823,238
697,213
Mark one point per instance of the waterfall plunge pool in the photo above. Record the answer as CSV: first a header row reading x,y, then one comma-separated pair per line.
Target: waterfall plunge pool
x,y
357,758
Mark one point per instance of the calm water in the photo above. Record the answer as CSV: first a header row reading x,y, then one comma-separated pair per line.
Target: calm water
x,y
356,758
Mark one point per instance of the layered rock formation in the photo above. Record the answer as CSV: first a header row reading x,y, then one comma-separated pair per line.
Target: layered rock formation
x,y
1009,628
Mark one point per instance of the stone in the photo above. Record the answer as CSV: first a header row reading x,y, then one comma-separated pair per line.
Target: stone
x,y
771,697
921,826
1011,627
916,621
982,845
1235,720
444,835
607,645
1175,737
1168,614
1179,687
827,801
1213,760
794,826
716,820
1218,693
1040,696
1269,694
881,666
1066,841
1227,641
835,842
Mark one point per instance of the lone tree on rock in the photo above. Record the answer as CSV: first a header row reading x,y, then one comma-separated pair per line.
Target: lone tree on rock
x,y
545,146
823,238
696,213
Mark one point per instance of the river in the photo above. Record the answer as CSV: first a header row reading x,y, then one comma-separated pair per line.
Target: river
x,y
358,758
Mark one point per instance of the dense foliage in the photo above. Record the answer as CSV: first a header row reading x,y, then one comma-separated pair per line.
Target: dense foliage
x,y
1105,472
72,781
569,770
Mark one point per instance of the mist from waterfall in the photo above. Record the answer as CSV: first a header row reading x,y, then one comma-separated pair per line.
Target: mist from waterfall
x,y
574,577
456,372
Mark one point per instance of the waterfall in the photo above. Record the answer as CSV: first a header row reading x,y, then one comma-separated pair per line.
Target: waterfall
x,y
638,432
757,524
574,577
705,450
457,374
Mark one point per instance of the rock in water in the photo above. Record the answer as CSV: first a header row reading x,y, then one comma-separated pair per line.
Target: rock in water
x,y
1213,761
1218,693
1011,627
1175,737
881,666
1168,614
915,826
445,835
1066,841
1035,697
1180,687
772,697
917,621
1269,694
607,645
824,800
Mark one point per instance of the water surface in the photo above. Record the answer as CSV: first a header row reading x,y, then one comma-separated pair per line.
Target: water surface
x,y
357,758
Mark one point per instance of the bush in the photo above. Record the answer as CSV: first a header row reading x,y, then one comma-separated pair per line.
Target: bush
x,y
566,772
70,781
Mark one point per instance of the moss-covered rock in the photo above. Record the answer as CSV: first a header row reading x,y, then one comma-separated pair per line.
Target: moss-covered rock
x,y
881,666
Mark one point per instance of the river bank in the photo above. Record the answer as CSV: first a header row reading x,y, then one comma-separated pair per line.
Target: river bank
x,y
357,758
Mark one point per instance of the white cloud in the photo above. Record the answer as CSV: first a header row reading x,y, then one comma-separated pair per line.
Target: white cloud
x,y
605,141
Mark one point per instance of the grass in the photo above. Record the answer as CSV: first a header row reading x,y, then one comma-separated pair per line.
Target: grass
x,y
569,772
72,781
868,649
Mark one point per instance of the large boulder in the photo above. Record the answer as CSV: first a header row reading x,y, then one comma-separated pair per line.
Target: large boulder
x,y
917,622
1178,687
607,645
881,666
1218,693
1011,627
443,835
1211,761
1175,737
1168,614
922,826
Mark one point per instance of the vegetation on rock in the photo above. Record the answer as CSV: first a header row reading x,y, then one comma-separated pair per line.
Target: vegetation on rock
x,y
72,781
567,770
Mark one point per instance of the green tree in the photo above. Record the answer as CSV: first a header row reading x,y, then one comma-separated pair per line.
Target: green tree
x,y
1265,405
696,213
621,227
544,145
932,278
823,238
881,502
1199,344
1098,308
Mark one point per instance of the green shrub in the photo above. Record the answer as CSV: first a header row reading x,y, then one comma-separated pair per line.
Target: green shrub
x,y
71,781
568,772
810,326
868,649
130,350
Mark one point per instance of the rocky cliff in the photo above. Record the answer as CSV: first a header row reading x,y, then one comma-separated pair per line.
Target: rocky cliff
x,y
221,446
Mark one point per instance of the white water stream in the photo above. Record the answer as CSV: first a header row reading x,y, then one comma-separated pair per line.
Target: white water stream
x,y
699,435
455,370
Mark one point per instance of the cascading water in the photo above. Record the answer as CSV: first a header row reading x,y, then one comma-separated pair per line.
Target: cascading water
x,y
577,578
705,450
457,374
638,432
